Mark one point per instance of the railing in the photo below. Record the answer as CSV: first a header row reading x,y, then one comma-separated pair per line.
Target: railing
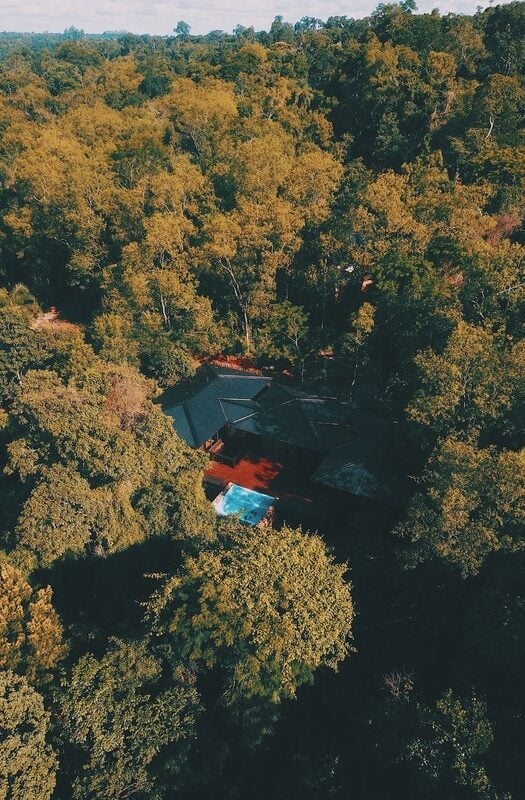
x,y
216,451
230,461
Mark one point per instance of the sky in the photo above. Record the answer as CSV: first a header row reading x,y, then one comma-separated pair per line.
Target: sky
x,y
161,16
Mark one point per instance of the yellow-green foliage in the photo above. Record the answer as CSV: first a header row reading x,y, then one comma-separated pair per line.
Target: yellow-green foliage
x,y
27,762
473,505
267,607
120,718
31,634
88,451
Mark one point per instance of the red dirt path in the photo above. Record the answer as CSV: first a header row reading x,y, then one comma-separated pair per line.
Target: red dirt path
x,y
52,321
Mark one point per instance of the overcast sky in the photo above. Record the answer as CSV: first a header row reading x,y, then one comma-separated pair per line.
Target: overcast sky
x,y
161,16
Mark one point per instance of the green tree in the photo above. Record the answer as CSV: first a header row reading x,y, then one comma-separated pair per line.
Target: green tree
x,y
124,729
471,505
267,608
202,115
31,634
61,517
21,348
278,195
475,384
182,29
112,337
286,334
157,77
168,363
87,456
354,343
28,764
503,30
451,748
463,385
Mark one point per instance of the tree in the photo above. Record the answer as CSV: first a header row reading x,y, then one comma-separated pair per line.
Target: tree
x,y
277,195
60,518
168,363
31,634
27,762
265,607
125,731
202,115
285,334
75,498
112,338
182,29
471,505
504,28
464,385
454,738
73,33
21,349
282,31
57,216
157,77
354,342
119,82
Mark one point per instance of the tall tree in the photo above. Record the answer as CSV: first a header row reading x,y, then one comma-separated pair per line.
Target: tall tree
x,y
266,608
31,634
28,763
450,752
124,727
471,506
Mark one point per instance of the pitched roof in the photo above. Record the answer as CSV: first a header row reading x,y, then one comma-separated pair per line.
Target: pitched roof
x,y
199,408
315,423
361,466
354,442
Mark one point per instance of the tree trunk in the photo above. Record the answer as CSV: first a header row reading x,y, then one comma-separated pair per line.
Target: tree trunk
x,y
227,267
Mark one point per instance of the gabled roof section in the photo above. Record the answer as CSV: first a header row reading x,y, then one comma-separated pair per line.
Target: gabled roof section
x,y
235,410
361,466
296,418
200,407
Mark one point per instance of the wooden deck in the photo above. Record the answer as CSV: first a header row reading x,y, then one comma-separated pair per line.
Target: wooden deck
x,y
301,502
264,475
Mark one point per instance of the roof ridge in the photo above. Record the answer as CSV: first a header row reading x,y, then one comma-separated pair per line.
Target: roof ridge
x,y
240,374
245,403
237,400
311,424
191,424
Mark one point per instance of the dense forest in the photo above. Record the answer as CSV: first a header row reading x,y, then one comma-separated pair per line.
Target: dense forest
x,y
326,199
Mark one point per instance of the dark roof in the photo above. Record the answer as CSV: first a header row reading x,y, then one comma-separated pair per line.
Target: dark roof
x,y
361,466
354,442
199,408
315,423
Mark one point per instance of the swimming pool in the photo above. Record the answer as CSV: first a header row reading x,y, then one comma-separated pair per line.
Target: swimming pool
x,y
251,506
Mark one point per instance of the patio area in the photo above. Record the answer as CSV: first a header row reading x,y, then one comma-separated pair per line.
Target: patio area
x,y
252,472
299,501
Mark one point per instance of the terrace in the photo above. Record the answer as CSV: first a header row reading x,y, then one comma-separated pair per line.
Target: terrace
x,y
299,500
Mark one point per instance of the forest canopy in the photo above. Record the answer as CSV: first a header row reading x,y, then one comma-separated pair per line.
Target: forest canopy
x,y
338,202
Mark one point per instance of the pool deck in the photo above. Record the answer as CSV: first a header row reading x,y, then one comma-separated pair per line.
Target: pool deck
x,y
263,475
301,502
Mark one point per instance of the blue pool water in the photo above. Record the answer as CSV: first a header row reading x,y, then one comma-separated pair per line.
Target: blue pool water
x,y
249,505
